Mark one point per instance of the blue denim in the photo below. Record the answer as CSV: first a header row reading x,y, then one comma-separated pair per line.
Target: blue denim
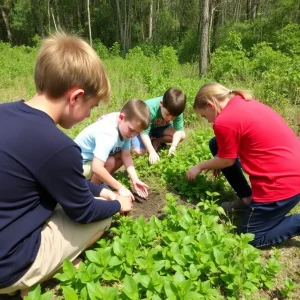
x,y
156,132
233,174
269,223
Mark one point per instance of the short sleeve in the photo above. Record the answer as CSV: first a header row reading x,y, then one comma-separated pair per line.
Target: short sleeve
x,y
228,141
126,145
104,143
178,122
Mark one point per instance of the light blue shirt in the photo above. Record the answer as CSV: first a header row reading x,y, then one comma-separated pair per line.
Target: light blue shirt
x,y
102,139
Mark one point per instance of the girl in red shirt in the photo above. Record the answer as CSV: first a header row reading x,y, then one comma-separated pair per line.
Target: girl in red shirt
x,y
252,134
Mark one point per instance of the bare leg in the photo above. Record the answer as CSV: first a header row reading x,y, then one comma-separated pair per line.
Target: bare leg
x,y
113,163
138,151
166,138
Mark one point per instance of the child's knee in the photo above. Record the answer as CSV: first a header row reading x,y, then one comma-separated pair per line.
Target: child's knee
x,y
138,151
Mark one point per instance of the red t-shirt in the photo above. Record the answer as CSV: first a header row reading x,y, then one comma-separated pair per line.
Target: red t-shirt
x,y
268,149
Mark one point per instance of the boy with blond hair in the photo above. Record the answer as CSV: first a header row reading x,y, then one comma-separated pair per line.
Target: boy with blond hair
x,y
163,110
105,146
40,167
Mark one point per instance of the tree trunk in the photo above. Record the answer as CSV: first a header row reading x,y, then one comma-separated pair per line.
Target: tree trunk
x,y
216,22
150,20
49,16
53,19
119,16
5,19
254,9
204,42
89,20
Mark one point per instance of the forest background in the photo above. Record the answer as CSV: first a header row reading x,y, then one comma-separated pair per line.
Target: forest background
x,y
148,46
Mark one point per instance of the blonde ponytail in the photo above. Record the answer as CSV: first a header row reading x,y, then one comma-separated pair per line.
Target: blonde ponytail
x,y
215,93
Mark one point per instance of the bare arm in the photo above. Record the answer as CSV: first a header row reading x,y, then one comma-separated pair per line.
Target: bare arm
x,y
214,163
153,156
139,186
128,163
99,170
147,142
178,135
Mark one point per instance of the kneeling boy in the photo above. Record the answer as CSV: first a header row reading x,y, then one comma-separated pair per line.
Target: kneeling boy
x,y
105,146
163,111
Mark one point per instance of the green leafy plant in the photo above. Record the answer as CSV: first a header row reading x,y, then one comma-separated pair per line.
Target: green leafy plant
x,y
190,254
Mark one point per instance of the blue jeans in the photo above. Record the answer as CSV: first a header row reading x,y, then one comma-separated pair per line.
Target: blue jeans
x,y
269,223
156,132
233,174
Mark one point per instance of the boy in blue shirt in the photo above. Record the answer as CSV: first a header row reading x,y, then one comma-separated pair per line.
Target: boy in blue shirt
x,y
105,146
163,111
48,210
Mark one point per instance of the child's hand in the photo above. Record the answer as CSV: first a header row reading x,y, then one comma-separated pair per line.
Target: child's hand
x,y
172,150
108,194
216,172
140,188
193,172
126,204
125,192
153,157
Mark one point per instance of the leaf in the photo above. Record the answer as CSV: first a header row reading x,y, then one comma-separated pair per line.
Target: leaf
x,y
47,296
118,248
192,296
84,294
111,294
179,258
114,261
93,256
219,256
179,277
159,265
69,269
69,293
94,290
34,292
144,280
170,290
130,288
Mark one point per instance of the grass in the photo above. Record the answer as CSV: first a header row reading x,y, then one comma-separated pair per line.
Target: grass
x,y
126,85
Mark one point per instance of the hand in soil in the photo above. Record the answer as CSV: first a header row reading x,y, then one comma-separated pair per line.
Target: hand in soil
x,y
140,188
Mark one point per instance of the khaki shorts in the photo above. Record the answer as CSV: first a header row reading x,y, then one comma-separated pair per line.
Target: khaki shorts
x,y
87,170
61,239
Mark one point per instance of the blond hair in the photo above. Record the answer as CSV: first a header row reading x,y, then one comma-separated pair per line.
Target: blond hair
x,y
137,110
215,93
67,61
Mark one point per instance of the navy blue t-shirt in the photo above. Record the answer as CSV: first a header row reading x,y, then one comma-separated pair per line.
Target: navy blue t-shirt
x,y
40,166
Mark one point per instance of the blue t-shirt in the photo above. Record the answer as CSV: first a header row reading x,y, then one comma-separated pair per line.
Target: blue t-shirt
x,y
40,166
102,139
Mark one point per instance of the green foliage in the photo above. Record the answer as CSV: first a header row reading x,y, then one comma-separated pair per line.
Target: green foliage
x,y
190,254
188,50
100,48
173,169
115,49
287,39
289,287
35,294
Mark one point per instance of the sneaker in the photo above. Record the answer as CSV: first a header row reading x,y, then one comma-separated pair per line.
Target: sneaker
x,y
236,205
